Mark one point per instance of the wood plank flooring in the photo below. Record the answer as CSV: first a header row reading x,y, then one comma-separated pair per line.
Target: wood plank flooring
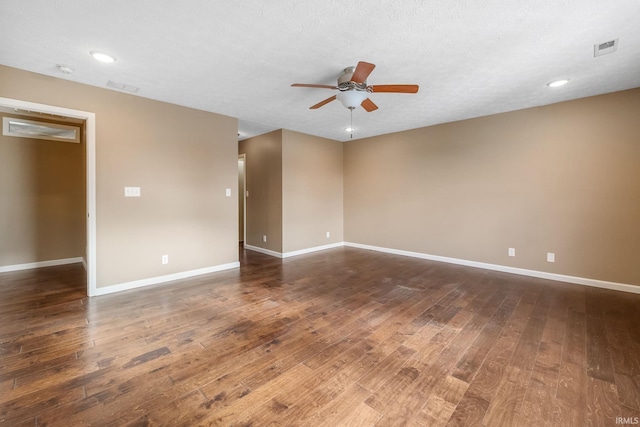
x,y
339,337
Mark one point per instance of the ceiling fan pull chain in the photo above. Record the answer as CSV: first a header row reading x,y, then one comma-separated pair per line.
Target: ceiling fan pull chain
x,y
351,109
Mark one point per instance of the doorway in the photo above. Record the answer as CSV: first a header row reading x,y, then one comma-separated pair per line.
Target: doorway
x,y
90,178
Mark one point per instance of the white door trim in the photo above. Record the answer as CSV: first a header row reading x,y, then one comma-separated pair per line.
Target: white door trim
x,y
243,157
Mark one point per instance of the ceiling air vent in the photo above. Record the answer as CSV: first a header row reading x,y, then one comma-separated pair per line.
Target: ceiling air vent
x,y
122,86
605,47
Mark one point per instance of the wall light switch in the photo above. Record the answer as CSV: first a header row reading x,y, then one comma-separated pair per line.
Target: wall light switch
x,y
228,192
131,191
328,234
551,257
165,259
512,251
264,238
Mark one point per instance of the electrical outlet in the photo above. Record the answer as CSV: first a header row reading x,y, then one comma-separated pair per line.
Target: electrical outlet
x,y
228,192
512,251
551,257
264,238
165,259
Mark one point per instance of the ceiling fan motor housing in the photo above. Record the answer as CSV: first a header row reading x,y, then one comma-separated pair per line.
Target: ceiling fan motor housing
x,y
345,83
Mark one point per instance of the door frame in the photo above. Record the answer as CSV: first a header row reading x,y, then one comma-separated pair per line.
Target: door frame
x,y
243,157
90,140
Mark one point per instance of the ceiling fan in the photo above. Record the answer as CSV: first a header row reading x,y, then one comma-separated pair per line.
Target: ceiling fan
x,y
353,88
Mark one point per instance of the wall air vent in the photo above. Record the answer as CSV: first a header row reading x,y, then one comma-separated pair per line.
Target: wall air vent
x,y
603,48
122,86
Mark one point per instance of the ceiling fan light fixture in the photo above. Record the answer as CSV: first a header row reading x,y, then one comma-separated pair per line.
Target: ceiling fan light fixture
x,y
351,98
558,83
353,91
349,129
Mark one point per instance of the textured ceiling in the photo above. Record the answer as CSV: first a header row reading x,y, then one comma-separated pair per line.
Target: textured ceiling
x,y
239,58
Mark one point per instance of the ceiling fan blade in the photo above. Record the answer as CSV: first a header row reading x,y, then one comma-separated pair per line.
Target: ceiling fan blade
x,y
362,71
312,85
368,105
395,88
320,104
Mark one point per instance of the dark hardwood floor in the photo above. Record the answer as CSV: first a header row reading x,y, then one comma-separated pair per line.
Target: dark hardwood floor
x,y
340,337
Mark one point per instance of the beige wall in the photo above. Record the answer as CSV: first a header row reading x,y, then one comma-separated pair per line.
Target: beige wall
x,y
295,191
42,199
311,191
183,160
563,178
263,165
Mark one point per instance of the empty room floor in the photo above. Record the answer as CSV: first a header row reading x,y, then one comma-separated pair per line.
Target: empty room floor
x,y
340,337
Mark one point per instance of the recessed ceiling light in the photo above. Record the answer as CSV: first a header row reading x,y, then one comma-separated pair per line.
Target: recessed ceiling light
x,y
102,57
558,83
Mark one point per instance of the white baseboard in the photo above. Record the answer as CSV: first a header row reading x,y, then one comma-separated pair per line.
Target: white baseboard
x,y
293,253
521,271
40,264
263,250
183,275
313,249
162,279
